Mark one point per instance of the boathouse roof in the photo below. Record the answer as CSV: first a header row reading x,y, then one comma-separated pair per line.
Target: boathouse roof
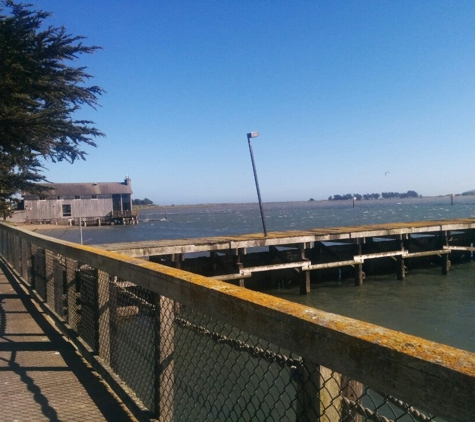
x,y
93,188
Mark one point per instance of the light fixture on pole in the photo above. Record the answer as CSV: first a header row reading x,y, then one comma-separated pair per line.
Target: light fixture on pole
x,y
249,137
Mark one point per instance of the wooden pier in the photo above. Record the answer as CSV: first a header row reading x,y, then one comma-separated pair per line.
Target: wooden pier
x,y
314,254
43,378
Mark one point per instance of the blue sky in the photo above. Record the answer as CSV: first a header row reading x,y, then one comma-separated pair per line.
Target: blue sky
x,y
341,93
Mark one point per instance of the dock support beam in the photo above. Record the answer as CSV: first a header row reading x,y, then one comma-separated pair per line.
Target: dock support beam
x,y
359,275
401,273
304,282
304,275
445,258
212,259
177,259
238,264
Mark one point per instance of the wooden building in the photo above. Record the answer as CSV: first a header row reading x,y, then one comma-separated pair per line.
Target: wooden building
x,y
85,203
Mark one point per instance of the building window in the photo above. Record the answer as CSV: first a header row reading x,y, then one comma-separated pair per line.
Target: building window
x,y
67,210
59,197
94,196
77,197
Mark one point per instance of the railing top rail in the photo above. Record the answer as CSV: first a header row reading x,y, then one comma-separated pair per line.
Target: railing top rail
x,y
410,368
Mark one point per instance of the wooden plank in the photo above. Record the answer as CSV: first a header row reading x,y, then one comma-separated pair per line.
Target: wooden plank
x,y
225,277
335,264
428,253
362,258
166,247
459,248
273,267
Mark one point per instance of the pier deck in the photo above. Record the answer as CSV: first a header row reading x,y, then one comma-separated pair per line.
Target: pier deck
x,y
42,376
314,249
331,234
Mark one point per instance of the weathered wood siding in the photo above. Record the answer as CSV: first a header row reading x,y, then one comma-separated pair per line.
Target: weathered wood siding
x,y
52,208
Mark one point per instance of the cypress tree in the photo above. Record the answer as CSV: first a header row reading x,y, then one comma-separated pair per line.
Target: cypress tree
x,y
40,91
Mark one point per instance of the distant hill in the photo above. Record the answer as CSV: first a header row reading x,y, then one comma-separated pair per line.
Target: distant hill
x,y
469,193
385,195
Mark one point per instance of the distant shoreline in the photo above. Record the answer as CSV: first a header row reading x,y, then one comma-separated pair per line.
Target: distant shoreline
x,y
211,204
139,208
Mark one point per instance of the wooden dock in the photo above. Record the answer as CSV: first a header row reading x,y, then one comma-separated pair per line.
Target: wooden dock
x,y
360,249
43,378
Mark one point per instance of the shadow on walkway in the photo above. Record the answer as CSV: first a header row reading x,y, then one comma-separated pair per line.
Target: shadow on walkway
x,y
43,377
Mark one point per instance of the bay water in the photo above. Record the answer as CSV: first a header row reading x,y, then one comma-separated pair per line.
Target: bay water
x,y
427,303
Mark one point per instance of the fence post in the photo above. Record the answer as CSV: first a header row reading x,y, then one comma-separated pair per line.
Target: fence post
x,y
16,255
49,279
107,325
39,272
2,233
28,264
164,349
103,317
89,321
59,286
72,297
330,400
307,378
352,390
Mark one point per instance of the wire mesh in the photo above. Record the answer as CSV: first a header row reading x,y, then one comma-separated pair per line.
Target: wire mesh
x,y
39,271
225,374
372,405
128,333
25,260
16,255
50,284
88,306
59,286
72,314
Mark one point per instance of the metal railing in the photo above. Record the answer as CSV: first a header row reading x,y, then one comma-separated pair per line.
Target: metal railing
x,y
178,346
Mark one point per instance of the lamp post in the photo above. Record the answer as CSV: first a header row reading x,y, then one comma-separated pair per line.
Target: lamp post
x,y
249,137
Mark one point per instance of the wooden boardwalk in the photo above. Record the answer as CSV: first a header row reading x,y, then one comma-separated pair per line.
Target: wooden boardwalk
x,y
320,249
42,378
295,237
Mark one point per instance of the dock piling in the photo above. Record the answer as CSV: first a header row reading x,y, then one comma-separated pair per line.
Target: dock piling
x,y
401,273
358,267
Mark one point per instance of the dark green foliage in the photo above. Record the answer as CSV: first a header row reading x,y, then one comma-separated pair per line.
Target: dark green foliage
x,y
39,93
358,197
145,201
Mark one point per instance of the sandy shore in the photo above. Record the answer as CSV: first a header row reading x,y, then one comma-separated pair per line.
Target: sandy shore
x,y
41,227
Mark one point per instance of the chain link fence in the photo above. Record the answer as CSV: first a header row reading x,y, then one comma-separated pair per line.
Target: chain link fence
x,y
181,363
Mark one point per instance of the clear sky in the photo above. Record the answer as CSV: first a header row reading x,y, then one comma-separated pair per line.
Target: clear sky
x,y
341,93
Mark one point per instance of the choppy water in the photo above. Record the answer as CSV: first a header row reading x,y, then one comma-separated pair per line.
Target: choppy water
x,y
229,219
426,303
